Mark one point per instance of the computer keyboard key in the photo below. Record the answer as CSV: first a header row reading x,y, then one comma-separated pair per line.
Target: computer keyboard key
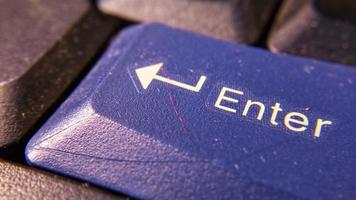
x,y
303,29
44,46
233,20
167,114
20,182
343,9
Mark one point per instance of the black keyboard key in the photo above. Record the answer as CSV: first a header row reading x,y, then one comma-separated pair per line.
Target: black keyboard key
x,y
343,9
302,29
44,46
234,20
20,182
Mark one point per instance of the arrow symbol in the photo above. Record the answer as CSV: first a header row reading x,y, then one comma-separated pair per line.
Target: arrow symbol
x,y
148,73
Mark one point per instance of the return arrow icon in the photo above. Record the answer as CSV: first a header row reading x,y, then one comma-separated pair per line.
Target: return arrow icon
x,y
148,73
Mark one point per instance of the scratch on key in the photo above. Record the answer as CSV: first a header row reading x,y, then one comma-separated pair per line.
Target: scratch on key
x,y
178,115
174,105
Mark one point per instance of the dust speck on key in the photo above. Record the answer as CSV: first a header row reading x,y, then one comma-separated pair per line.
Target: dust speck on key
x,y
262,159
308,69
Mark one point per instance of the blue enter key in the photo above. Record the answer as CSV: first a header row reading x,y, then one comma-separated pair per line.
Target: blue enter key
x,y
168,114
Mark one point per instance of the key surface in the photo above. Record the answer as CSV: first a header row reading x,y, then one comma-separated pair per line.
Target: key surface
x,y
145,122
306,28
233,20
44,46
20,182
343,9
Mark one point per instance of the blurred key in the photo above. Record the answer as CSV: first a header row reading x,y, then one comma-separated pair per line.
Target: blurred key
x,y
20,182
44,46
343,9
316,29
233,20
167,114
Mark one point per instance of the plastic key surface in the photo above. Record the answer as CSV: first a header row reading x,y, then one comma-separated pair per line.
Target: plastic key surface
x,y
20,182
42,51
233,20
343,9
167,114
320,29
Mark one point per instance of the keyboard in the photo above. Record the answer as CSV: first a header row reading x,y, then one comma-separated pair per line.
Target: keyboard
x,y
177,99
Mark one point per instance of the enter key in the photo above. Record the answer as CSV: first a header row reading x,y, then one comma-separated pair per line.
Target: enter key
x,y
168,114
